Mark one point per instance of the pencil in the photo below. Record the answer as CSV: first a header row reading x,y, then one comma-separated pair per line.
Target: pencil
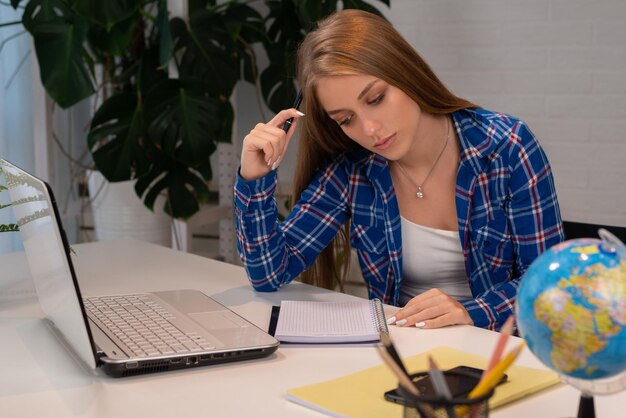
x,y
506,330
493,377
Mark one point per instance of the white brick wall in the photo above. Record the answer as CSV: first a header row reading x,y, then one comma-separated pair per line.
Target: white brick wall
x,y
560,65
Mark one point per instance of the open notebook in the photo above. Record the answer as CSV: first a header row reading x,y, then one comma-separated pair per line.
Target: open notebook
x,y
314,322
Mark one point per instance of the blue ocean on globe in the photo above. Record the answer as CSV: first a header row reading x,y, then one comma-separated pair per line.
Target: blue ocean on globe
x,y
571,308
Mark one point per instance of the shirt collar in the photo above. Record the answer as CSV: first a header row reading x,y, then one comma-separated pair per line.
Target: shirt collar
x,y
478,139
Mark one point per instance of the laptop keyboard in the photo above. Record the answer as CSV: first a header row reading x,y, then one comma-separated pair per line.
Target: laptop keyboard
x,y
142,324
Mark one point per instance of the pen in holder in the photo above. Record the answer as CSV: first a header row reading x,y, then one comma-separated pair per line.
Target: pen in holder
x,y
435,406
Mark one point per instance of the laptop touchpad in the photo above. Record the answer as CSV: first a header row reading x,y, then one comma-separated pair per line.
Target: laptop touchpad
x,y
214,320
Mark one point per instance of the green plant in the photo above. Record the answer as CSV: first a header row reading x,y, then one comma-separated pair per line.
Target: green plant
x,y
6,227
164,83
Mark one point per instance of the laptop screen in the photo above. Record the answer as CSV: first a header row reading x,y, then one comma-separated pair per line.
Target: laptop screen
x,y
48,255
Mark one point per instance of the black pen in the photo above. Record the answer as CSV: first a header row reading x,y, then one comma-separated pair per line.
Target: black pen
x,y
391,349
296,105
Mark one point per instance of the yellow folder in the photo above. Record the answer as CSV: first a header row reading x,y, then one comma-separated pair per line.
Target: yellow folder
x,y
361,394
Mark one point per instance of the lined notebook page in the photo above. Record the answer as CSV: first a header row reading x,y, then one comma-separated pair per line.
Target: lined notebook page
x,y
318,322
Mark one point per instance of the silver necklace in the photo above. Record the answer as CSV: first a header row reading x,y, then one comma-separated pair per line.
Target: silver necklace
x,y
420,190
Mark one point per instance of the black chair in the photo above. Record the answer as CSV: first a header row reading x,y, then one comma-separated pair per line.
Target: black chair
x,y
583,230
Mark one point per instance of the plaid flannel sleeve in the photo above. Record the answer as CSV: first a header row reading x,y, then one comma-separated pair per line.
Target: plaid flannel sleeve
x,y
275,253
534,222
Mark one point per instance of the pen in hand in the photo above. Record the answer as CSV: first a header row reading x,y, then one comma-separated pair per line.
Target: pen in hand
x,y
287,125
296,105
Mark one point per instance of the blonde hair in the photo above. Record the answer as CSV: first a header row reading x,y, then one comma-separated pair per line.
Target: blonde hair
x,y
354,42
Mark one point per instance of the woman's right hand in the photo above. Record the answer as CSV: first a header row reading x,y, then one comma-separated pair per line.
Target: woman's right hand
x,y
266,144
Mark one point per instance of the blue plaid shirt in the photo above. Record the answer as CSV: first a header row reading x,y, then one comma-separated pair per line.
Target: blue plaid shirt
x,y
505,200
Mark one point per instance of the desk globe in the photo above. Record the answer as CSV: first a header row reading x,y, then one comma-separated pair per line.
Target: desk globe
x,y
571,310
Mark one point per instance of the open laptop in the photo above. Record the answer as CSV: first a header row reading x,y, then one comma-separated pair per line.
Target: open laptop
x,y
124,335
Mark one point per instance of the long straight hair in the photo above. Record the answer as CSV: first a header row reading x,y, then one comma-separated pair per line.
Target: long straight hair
x,y
354,42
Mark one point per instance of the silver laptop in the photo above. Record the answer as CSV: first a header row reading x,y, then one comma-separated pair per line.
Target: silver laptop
x,y
125,335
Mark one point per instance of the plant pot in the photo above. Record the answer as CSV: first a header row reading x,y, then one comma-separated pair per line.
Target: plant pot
x,y
119,213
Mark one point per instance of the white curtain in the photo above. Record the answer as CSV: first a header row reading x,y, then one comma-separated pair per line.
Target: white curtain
x,y
16,100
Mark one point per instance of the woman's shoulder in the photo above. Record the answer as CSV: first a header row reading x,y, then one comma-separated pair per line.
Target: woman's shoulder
x,y
486,119
483,128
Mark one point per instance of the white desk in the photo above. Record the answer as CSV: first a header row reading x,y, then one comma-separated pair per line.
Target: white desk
x,y
38,378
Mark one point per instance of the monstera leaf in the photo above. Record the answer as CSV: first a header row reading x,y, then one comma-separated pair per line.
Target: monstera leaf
x,y
105,13
59,35
185,188
117,138
183,120
116,40
165,142
216,42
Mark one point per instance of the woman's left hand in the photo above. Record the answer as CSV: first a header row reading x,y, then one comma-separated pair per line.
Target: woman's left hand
x,y
431,309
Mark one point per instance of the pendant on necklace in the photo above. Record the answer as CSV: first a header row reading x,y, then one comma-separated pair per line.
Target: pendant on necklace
x,y
420,192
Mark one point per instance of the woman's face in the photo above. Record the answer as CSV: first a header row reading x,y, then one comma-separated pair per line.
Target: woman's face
x,y
376,115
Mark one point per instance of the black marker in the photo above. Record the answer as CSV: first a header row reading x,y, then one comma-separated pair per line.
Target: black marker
x,y
296,105
391,349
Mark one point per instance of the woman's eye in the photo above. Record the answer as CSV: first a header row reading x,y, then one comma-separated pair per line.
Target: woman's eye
x,y
346,121
376,99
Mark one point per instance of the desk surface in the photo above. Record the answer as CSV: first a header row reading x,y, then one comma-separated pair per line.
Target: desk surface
x,y
40,378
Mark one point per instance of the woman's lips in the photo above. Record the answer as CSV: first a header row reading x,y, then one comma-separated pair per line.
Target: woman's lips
x,y
385,143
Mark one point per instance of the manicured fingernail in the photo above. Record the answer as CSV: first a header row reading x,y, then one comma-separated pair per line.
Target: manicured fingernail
x,y
299,113
391,320
275,165
269,162
420,324
401,322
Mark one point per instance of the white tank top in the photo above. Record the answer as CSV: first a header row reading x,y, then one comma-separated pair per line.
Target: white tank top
x,y
432,258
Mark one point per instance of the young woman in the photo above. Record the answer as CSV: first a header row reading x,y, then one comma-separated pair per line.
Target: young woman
x,y
445,203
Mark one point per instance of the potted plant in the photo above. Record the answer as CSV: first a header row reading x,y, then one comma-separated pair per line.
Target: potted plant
x,y
164,84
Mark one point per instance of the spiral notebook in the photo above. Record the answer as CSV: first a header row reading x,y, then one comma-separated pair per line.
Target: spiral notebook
x,y
312,322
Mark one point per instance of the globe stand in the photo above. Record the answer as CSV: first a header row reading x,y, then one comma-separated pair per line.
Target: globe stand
x,y
586,407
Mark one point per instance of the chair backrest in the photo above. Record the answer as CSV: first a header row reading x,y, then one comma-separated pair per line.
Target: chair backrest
x,y
583,230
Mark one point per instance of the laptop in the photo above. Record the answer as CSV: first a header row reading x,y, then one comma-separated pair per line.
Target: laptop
x,y
124,335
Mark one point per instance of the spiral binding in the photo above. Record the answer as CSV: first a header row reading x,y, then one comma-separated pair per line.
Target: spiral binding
x,y
378,315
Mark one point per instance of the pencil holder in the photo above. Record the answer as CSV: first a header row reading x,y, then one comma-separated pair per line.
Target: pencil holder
x,y
433,406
